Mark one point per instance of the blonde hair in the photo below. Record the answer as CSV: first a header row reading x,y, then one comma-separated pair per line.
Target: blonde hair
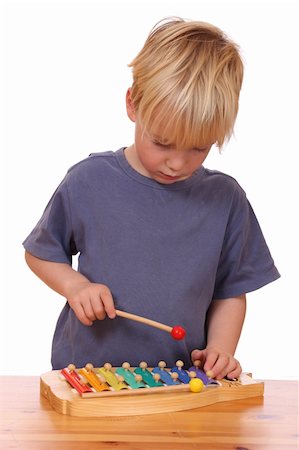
x,y
186,80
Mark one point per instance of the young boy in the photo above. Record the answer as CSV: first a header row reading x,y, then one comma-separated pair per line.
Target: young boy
x,y
158,235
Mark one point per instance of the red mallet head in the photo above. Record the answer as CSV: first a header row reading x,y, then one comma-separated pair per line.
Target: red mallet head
x,y
178,332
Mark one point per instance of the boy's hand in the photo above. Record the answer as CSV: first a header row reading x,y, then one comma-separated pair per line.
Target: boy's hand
x,y
91,301
217,363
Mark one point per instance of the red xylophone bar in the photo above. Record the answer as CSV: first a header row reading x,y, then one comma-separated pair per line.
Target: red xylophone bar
x,y
73,378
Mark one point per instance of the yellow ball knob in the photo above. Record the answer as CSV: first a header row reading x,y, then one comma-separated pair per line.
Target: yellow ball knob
x,y
196,385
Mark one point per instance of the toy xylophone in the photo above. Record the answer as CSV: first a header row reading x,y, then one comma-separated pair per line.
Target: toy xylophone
x,y
108,391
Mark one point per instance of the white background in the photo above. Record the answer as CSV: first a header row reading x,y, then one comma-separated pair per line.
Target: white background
x,y
63,82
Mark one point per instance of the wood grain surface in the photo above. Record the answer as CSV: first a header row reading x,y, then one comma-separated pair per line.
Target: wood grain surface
x,y
263,423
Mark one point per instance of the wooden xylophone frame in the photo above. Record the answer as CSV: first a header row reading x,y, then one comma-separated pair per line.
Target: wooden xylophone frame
x,y
65,400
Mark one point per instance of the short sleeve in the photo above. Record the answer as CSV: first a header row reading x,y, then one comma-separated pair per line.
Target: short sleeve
x,y
245,262
52,237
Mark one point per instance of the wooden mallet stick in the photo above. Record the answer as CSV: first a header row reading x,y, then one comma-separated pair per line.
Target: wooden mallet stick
x,y
177,332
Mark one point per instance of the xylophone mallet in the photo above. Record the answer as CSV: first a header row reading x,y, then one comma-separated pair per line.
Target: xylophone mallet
x,y
177,332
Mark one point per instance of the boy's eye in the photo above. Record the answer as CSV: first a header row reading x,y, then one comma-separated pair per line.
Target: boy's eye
x,y
200,150
166,146
160,144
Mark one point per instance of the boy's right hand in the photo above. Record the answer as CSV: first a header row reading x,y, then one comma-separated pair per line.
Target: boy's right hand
x,y
91,301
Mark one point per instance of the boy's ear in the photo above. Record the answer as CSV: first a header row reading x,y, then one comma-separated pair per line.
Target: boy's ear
x,y
130,107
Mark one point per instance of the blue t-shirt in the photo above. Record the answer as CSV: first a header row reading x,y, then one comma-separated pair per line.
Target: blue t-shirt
x,y
165,251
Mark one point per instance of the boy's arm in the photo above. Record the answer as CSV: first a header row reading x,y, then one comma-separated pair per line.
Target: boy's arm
x,y
224,324
90,301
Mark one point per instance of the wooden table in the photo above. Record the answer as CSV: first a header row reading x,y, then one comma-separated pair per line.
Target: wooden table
x,y
262,423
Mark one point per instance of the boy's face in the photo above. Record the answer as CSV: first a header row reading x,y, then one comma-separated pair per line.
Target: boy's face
x,y
162,161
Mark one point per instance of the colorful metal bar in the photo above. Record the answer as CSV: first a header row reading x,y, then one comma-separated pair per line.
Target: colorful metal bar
x,y
148,377
112,379
130,378
73,378
93,380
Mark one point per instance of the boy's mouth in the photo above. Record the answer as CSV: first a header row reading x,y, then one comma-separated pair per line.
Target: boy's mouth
x,y
169,177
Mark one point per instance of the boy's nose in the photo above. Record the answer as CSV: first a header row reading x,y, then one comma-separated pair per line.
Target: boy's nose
x,y
176,162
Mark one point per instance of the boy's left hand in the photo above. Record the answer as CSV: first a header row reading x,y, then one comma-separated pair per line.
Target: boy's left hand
x,y
217,363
